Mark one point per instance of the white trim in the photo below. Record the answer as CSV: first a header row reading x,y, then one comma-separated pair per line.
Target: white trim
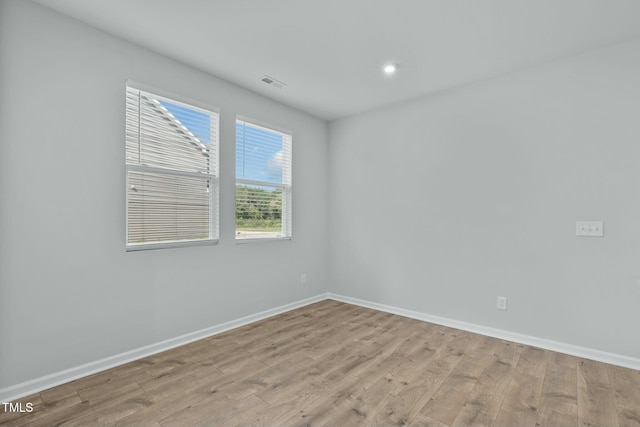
x,y
574,350
263,239
260,183
168,244
36,385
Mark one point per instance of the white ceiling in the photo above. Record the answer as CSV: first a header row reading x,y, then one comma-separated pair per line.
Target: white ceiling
x,y
330,52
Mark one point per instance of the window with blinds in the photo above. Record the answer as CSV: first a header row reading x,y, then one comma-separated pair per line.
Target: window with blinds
x,y
172,172
263,182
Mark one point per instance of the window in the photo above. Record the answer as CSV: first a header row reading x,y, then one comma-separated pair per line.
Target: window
x,y
172,172
263,182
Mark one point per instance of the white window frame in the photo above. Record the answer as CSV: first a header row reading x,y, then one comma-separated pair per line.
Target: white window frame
x,y
287,188
213,176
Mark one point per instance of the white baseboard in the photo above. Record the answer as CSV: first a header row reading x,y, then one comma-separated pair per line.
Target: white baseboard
x,y
36,385
587,353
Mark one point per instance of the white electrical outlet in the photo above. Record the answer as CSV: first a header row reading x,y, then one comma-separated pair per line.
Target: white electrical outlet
x,y
501,303
303,279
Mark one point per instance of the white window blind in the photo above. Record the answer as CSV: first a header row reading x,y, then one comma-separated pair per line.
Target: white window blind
x,y
263,182
172,172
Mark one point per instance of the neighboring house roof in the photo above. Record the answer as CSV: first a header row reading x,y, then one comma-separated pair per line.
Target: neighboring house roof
x,y
157,138
175,125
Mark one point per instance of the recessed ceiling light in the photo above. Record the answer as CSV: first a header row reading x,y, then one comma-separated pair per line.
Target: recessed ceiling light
x,y
390,68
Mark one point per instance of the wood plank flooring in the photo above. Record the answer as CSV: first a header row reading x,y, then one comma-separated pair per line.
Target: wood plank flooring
x,y
335,364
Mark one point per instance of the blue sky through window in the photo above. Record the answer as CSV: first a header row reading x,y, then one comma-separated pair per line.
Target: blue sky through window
x,y
258,153
196,121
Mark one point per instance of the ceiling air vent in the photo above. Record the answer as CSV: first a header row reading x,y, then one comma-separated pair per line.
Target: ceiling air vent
x,y
273,82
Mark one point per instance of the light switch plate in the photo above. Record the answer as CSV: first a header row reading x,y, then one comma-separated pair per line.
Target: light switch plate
x,y
590,228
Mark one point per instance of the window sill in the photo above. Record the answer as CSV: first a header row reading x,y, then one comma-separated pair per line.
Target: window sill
x,y
264,239
171,244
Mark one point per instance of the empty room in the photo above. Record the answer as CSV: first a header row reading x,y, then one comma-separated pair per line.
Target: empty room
x,y
327,213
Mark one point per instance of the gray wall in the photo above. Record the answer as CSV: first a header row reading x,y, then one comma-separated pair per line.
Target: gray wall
x,y
69,293
440,204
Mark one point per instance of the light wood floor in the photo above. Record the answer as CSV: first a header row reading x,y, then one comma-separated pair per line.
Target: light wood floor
x,y
337,364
